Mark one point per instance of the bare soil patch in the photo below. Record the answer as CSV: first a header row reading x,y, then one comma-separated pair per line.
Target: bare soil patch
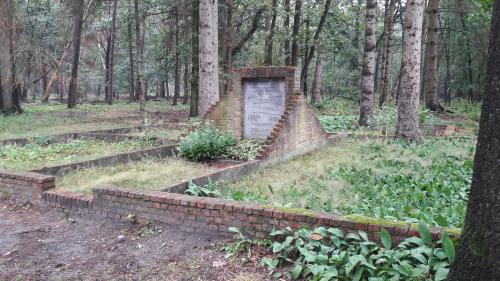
x,y
46,245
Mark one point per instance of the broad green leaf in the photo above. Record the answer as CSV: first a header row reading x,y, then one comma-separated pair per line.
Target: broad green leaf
x,y
386,239
441,274
449,249
358,274
425,233
296,271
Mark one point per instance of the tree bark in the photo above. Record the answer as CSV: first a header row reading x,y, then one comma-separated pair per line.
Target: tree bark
x,y
318,77
185,96
408,102
111,50
177,73
77,13
139,65
9,92
286,26
431,66
209,57
390,6
195,58
131,94
295,33
370,55
270,37
479,249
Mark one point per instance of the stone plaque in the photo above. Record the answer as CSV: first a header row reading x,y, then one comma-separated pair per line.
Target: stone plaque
x,y
263,105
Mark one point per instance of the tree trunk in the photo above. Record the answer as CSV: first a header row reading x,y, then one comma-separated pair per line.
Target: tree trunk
x,y
195,58
431,65
9,94
77,13
368,78
177,74
185,97
355,40
390,6
111,51
139,64
131,95
286,26
55,75
162,90
209,58
318,77
478,253
408,102
305,64
270,37
295,33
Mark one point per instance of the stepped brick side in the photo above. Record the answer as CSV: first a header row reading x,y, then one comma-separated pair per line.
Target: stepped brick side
x,y
25,186
227,113
297,132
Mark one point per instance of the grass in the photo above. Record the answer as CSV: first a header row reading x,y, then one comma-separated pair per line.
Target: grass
x,y
149,174
370,178
43,119
35,155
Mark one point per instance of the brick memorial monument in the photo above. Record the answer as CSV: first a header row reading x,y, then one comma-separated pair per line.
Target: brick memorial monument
x,y
265,103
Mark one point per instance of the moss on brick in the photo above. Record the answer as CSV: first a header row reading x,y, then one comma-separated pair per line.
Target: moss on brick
x,y
295,211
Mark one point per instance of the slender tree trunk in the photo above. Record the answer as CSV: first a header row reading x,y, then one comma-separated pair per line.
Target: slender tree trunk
x,y
478,253
408,102
390,6
131,96
195,59
209,58
318,77
111,51
295,33
270,37
139,48
185,97
368,78
305,63
177,74
431,69
357,34
56,73
77,13
286,26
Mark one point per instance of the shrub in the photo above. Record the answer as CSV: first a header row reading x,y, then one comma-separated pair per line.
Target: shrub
x,y
207,142
341,123
209,190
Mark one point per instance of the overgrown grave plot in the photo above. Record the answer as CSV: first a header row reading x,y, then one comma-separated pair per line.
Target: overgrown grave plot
x,y
37,155
370,181
42,119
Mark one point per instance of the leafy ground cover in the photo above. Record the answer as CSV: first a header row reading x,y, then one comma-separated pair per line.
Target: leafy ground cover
x,y
330,254
43,119
148,174
375,178
36,155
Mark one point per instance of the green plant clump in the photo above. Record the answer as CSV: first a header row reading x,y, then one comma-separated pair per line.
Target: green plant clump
x,y
245,150
207,142
209,190
330,254
335,124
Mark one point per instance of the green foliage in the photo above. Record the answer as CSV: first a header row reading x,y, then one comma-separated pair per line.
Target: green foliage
x,y
383,120
334,124
330,254
438,198
206,142
242,244
471,111
245,150
209,190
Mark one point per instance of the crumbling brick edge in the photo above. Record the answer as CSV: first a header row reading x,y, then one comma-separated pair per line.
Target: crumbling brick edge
x,y
187,213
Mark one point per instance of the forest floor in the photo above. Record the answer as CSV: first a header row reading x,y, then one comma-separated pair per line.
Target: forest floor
x,y
41,245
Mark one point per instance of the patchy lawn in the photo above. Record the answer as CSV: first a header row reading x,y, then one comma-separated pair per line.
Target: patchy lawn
x,y
148,174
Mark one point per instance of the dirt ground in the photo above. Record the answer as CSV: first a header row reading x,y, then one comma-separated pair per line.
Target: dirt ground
x,y
46,245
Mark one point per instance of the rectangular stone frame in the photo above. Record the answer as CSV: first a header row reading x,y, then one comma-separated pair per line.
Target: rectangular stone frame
x,y
288,73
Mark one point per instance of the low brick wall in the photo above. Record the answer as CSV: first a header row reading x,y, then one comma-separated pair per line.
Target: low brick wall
x,y
25,186
188,213
126,157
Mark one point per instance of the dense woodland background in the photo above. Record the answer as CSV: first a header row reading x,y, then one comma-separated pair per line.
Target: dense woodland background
x,y
128,43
